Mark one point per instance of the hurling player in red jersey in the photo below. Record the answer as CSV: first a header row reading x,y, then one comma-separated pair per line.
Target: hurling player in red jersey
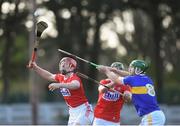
x,y
109,105
71,87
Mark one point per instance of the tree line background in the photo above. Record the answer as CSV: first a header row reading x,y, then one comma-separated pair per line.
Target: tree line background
x,y
101,31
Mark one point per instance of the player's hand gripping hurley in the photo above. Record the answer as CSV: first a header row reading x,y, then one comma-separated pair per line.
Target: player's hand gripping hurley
x,y
41,26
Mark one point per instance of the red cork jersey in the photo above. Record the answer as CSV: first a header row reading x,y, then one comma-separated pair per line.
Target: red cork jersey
x,y
73,98
110,103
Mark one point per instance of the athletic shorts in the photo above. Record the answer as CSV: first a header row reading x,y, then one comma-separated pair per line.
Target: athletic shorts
x,y
156,118
81,115
102,122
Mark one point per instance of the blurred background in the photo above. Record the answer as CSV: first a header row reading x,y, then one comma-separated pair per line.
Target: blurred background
x,y
101,31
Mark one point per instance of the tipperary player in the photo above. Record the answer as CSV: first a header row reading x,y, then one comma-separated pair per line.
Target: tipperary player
x,y
71,87
109,105
142,88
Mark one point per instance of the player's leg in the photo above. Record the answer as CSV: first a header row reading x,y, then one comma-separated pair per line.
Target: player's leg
x,y
82,115
102,122
73,114
85,116
72,118
156,118
70,121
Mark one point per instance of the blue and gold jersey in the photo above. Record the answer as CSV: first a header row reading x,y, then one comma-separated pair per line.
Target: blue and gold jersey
x,y
144,97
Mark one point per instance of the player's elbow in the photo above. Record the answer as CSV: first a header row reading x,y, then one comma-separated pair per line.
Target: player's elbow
x,y
112,76
102,89
51,78
74,85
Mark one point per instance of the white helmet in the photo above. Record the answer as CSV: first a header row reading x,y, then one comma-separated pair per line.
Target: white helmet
x,y
67,65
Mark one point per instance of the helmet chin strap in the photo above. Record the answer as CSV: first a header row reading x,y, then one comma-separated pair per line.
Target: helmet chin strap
x,y
64,72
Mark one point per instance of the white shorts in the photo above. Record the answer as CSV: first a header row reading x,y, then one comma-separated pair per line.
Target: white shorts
x,y
102,122
156,118
81,115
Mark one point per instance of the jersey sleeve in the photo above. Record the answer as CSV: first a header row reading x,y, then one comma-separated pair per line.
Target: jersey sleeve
x,y
126,88
127,80
105,81
58,77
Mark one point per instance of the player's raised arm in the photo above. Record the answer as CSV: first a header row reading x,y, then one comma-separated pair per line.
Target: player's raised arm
x,y
111,75
121,73
109,84
42,72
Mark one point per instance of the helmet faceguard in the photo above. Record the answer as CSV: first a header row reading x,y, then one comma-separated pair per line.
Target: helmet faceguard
x,y
67,65
138,67
117,65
